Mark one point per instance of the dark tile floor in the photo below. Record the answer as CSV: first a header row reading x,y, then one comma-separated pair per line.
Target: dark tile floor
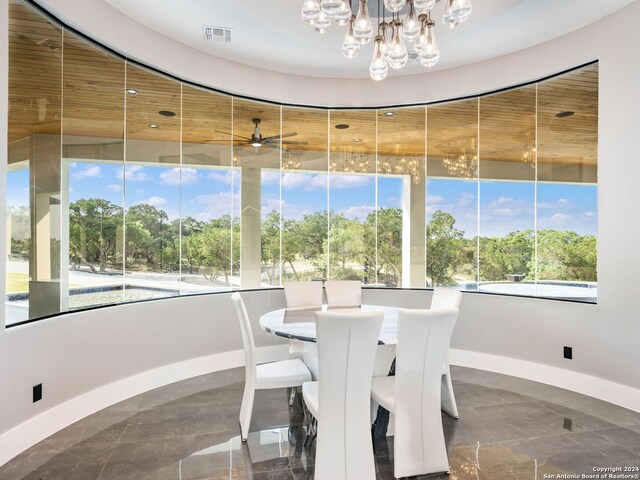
x,y
509,428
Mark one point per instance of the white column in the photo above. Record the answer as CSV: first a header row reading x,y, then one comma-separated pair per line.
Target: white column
x,y
250,224
413,232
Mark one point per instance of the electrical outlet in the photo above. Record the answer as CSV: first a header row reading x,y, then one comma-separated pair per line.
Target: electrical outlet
x,y
37,393
568,353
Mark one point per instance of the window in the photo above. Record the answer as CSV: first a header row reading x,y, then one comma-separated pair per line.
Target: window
x,y
125,184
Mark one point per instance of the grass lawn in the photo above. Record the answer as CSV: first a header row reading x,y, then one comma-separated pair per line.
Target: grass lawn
x,y
17,282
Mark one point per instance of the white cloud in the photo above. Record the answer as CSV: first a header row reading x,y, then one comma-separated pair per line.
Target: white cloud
x,y
225,178
434,199
590,214
132,173
114,187
466,200
560,204
348,181
176,176
270,178
155,201
217,205
359,212
560,218
503,201
87,172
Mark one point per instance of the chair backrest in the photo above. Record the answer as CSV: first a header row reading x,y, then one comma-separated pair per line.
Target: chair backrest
x,y
344,293
423,345
303,294
347,343
247,335
445,298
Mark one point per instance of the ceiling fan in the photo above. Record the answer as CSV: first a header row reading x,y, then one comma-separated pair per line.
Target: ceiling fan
x,y
257,140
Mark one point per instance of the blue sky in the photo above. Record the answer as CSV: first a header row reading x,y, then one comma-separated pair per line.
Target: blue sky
x,y
206,194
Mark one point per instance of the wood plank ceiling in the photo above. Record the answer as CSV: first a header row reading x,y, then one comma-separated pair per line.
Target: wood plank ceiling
x,y
60,83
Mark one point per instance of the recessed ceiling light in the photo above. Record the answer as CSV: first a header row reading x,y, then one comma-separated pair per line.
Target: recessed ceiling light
x,y
389,114
342,126
564,114
132,91
357,140
153,125
167,113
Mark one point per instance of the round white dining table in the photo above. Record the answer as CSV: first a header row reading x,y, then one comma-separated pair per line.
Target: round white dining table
x,y
300,323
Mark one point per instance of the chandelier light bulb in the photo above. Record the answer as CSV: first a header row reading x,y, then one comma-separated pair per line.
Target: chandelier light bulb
x,y
350,46
423,6
422,38
430,53
378,68
394,6
344,14
310,11
460,9
363,28
323,22
398,54
385,30
331,7
411,25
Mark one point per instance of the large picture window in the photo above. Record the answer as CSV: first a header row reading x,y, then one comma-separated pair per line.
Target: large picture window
x,y
126,184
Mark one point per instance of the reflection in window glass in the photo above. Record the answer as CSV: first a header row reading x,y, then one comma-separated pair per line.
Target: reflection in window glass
x,y
352,168
152,181
452,229
152,188
93,154
567,229
389,222
18,243
452,195
208,259
507,191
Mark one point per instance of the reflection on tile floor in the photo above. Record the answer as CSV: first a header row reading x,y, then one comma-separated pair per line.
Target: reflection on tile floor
x,y
508,429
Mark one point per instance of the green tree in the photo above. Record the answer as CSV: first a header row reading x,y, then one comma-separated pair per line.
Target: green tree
x,y
270,246
512,254
566,256
382,232
447,250
93,231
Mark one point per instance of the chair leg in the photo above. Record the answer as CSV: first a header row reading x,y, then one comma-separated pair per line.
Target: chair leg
x,y
246,409
293,396
448,401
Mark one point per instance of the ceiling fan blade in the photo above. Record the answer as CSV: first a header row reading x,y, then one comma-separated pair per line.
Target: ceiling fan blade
x,y
232,134
284,135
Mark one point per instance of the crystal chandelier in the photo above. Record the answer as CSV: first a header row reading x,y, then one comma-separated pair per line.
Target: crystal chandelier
x,y
352,162
390,42
401,166
529,155
462,164
291,161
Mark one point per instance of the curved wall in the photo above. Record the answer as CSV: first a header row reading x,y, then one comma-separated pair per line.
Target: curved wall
x,y
75,354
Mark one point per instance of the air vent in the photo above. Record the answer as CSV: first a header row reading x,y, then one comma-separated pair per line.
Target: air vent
x,y
217,34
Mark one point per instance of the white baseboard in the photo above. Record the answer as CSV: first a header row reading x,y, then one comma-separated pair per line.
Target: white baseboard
x,y
599,388
60,416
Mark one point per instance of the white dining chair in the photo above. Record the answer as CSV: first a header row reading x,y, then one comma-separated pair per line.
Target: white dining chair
x,y
303,294
447,298
412,396
343,293
283,374
339,400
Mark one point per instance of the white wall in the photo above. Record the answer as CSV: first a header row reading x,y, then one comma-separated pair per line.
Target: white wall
x,y
76,353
